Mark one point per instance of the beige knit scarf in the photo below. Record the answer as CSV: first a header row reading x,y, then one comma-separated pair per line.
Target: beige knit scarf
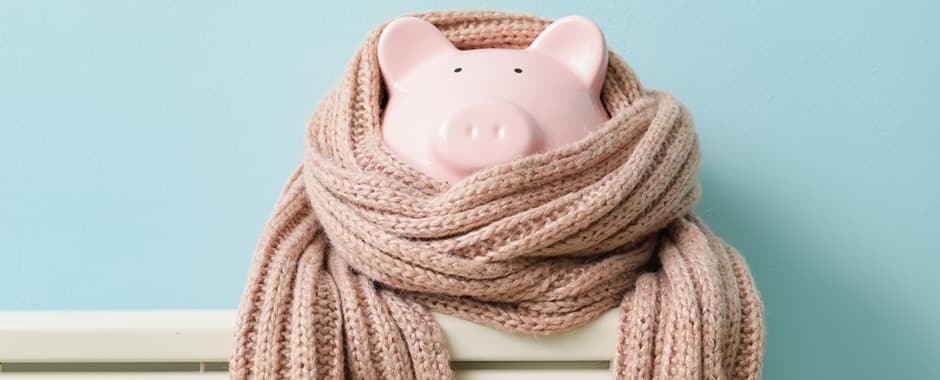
x,y
361,248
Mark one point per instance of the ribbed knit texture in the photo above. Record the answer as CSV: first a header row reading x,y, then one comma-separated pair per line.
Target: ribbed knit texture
x,y
361,248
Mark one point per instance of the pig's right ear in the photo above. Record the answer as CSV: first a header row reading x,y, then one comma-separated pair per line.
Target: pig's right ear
x,y
407,42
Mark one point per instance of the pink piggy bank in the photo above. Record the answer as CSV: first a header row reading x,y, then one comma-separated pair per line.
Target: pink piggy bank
x,y
451,112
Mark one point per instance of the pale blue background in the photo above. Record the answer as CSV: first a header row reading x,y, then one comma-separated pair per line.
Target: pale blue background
x,y
142,146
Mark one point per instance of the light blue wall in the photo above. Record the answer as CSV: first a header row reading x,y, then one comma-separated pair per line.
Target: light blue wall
x,y
142,146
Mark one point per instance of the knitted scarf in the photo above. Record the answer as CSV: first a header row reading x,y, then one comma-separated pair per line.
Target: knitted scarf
x,y
361,247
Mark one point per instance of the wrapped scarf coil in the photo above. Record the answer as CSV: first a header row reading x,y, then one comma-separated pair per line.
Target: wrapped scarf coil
x,y
361,248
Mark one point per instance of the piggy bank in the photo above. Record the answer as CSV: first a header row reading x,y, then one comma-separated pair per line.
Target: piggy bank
x,y
452,112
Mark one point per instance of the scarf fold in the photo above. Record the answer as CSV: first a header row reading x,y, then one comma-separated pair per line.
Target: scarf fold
x,y
361,248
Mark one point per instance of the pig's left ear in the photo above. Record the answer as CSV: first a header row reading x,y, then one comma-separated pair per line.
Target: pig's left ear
x,y
407,42
577,43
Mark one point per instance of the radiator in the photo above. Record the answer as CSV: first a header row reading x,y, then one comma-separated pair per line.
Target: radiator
x,y
196,345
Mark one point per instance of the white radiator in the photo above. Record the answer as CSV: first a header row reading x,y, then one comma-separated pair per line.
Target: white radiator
x,y
196,345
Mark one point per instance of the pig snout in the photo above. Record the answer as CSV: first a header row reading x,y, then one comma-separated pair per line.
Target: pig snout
x,y
485,134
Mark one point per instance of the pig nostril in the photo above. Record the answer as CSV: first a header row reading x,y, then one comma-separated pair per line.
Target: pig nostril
x,y
499,132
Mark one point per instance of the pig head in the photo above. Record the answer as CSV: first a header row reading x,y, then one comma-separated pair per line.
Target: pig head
x,y
452,112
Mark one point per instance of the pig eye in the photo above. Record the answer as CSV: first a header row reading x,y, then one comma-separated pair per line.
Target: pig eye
x,y
458,69
517,70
